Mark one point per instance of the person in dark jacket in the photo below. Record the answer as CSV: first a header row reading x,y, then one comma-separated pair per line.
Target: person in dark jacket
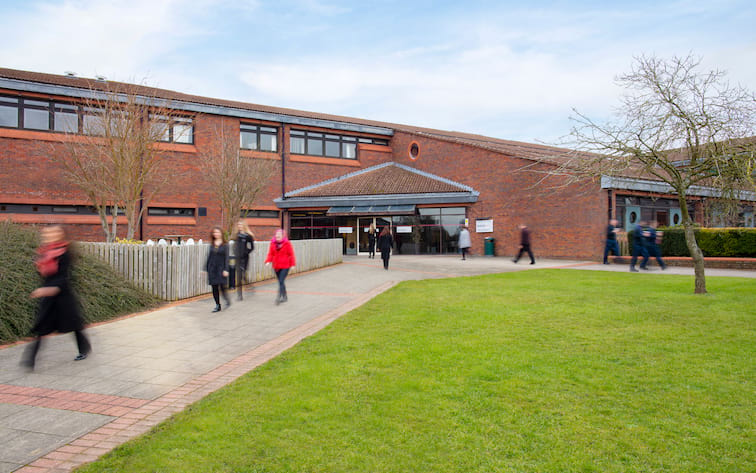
x,y
59,309
281,256
217,267
639,245
524,244
385,242
371,241
653,238
611,245
245,244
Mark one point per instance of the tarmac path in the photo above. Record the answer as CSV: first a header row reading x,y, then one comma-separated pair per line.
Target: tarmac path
x,y
146,367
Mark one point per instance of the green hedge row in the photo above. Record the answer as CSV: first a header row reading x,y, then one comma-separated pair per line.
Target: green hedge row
x,y
103,293
714,242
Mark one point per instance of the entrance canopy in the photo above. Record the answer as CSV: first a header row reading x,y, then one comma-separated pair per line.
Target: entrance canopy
x,y
386,189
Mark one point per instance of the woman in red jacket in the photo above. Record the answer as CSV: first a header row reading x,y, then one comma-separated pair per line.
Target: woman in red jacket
x,y
281,255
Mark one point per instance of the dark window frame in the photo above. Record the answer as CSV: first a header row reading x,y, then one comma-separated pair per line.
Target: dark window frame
x,y
258,131
344,142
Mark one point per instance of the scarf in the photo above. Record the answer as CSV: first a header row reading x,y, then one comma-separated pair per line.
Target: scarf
x,y
279,243
47,257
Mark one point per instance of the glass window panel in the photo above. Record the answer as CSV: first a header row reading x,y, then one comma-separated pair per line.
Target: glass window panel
x,y
350,150
429,211
297,133
365,140
36,103
268,129
182,133
332,137
348,138
36,119
66,122
248,127
332,148
93,125
314,147
8,116
268,142
314,135
248,140
297,145
452,211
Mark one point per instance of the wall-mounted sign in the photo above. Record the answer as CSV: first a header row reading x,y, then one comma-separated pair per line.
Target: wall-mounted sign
x,y
345,229
484,226
404,229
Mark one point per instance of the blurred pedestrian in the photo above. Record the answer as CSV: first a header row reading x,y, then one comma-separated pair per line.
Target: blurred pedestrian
x,y
385,242
371,241
59,309
217,267
611,240
464,241
639,245
524,244
281,256
653,238
245,244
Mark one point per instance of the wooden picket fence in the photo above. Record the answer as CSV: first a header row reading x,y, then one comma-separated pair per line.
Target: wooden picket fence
x,y
177,272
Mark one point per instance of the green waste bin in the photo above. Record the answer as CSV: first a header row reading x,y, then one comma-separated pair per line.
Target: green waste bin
x,y
489,246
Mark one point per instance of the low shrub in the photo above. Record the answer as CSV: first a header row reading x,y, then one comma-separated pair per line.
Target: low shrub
x,y
714,242
103,293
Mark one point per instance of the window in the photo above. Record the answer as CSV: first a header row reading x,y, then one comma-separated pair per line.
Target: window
x,y
36,114
66,118
328,145
260,214
172,129
263,138
170,212
9,112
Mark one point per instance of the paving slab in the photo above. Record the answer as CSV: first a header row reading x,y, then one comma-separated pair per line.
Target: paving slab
x,y
147,367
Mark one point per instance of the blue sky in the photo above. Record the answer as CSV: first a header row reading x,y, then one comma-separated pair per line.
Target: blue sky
x,y
511,70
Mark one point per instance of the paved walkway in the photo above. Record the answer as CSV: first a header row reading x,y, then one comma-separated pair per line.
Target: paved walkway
x,y
147,367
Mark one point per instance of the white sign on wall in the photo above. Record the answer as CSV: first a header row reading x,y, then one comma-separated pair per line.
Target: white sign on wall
x,y
404,229
345,229
484,226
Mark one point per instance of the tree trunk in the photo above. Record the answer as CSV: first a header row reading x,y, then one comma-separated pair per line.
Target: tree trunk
x,y
695,251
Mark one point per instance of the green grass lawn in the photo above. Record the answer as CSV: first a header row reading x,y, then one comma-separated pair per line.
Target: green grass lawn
x,y
536,371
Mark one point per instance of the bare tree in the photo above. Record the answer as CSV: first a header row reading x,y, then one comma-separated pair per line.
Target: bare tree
x,y
675,124
236,181
113,157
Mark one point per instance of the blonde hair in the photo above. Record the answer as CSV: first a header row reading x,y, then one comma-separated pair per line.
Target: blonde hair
x,y
245,227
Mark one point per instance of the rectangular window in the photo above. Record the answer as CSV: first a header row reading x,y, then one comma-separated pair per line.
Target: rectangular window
x,y
170,212
66,118
263,138
260,214
319,144
9,112
36,115
172,129
92,122
183,130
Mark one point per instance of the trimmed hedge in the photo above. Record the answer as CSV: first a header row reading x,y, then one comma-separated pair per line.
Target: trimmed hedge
x,y
714,242
103,293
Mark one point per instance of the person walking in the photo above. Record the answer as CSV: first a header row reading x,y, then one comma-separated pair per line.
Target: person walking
x,y
639,246
653,238
371,241
385,242
524,244
281,256
59,309
245,244
611,244
217,267
464,241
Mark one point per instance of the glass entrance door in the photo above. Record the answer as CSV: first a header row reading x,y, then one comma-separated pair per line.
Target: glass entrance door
x,y
363,227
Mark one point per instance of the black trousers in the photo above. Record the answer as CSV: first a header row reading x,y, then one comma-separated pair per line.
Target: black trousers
x,y
219,289
385,255
523,249
281,275
82,343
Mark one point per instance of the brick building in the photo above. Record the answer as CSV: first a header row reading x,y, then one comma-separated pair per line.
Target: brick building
x,y
335,175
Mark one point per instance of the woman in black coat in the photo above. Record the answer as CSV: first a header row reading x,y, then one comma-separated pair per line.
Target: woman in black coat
x,y
371,241
245,244
217,267
385,242
59,309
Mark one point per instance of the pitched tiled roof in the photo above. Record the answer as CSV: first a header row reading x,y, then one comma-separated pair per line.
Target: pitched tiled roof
x,y
518,149
383,179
